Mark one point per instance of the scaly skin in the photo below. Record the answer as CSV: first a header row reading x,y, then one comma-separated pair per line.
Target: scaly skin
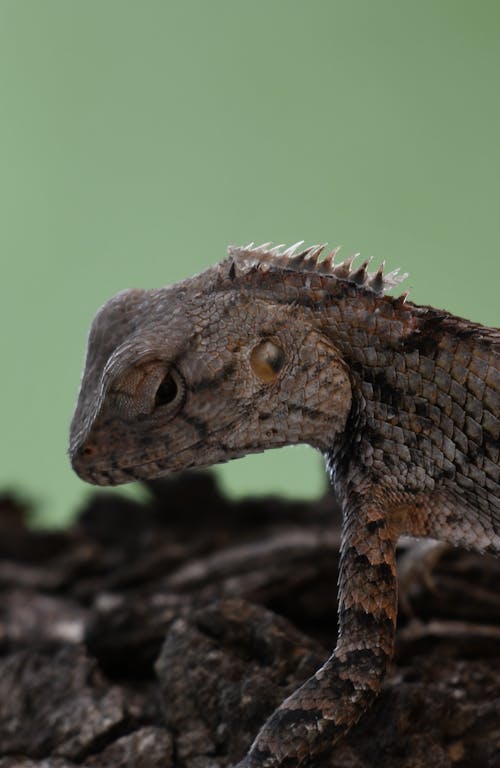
x,y
272,348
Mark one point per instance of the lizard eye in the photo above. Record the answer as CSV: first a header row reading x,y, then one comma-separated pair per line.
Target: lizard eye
x,y
267,360
170,390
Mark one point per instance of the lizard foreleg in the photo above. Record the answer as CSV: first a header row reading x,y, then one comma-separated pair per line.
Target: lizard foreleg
x,y
311,720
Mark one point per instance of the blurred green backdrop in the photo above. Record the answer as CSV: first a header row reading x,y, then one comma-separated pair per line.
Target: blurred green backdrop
x,y
137,139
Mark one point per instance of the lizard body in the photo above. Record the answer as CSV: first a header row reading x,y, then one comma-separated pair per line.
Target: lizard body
x,y
276,347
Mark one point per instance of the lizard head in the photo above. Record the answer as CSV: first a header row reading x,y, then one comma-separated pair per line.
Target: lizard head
x,y
218,366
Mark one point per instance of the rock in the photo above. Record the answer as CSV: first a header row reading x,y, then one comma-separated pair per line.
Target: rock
x,y
163,633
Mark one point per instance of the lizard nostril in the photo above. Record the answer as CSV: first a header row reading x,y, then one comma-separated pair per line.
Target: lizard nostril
x,y
87,450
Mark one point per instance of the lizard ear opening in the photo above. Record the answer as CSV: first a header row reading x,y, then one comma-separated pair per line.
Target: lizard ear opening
x,y
267,361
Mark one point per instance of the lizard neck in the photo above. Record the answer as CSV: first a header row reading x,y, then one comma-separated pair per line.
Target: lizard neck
x,y
417,375
370,334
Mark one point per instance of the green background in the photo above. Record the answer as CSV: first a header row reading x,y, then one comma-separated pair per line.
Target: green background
x,y
137,139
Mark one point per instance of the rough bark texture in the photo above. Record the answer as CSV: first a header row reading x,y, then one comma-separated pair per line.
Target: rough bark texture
x,y
163,634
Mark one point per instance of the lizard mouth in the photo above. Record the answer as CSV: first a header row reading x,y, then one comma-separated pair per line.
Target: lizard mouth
x,y
154,465
146,470
163,465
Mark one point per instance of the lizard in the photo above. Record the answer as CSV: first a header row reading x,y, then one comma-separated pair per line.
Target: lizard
x,y
276,346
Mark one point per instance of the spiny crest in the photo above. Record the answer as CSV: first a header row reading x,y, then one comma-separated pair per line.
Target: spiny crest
x,y
267,256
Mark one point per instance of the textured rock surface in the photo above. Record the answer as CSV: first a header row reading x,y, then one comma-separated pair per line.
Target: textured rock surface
x,y
162,634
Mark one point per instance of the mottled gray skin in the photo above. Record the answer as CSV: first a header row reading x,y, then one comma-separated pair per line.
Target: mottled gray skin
x,y
269,349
